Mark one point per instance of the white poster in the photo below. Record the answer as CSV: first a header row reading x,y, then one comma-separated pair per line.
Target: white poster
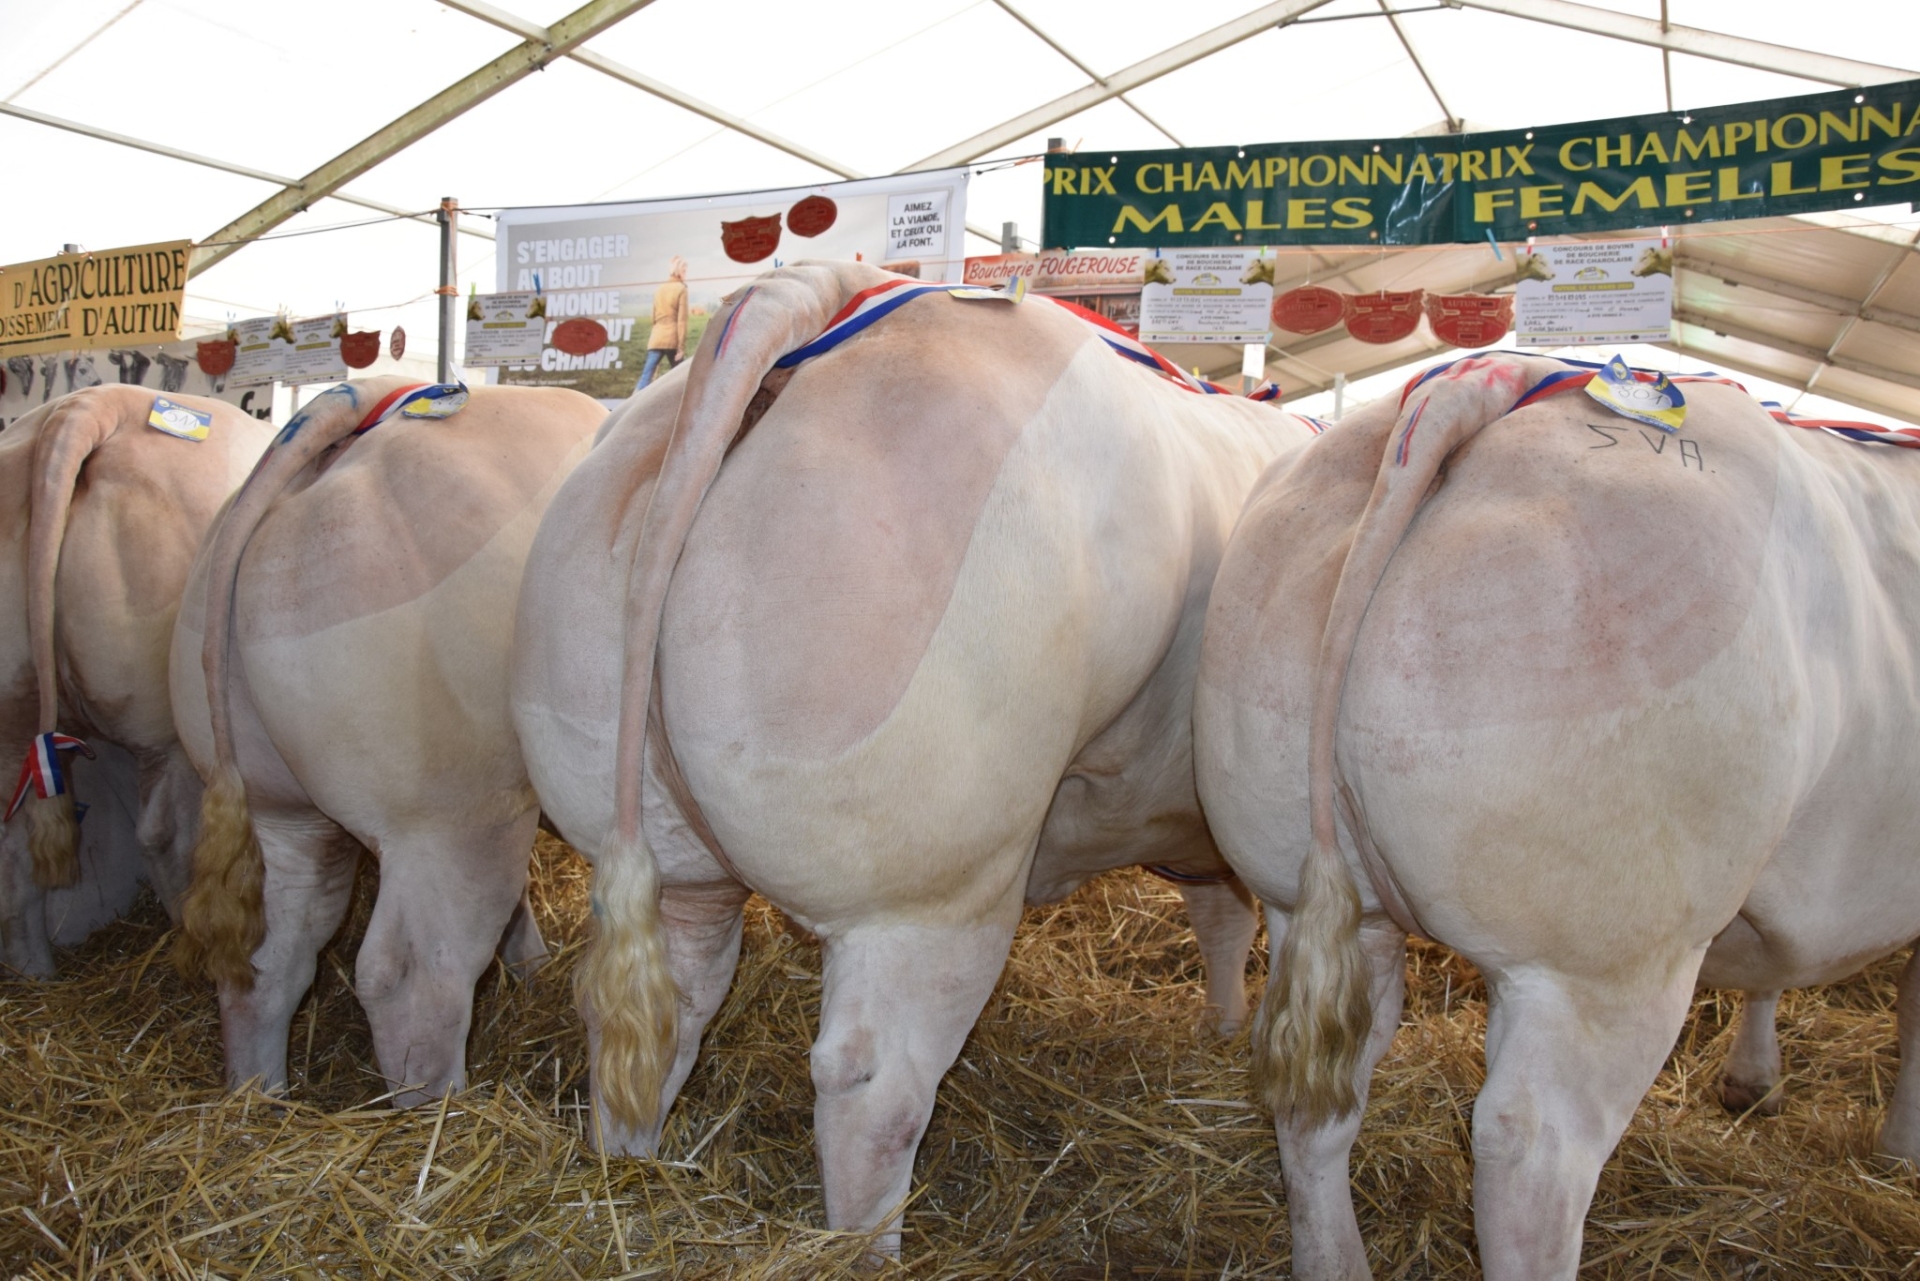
x,y
917,225
606,263
262,345
28,382
1597,292
315,357
505,329
1207,295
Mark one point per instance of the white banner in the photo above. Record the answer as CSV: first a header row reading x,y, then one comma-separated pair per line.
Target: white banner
x,y
32,381
605,262
505,329
1207,295
1596,292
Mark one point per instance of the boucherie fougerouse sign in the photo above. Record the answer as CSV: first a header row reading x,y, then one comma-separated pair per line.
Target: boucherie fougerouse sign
x,y
1824,151
115,298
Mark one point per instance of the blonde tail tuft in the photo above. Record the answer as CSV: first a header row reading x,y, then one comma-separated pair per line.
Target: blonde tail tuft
x,y
53,837
223,918
625,990
1317,1012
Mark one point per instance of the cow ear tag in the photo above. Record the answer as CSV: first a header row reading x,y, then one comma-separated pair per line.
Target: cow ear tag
x,y
1657,403
178,420
442,400
1016,291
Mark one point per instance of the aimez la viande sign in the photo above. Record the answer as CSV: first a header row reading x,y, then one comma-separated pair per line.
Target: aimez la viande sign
x,y
1840,150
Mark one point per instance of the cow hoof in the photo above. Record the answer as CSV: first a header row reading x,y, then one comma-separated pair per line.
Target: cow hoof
x,y
1902,1143
1216,1025
1742,1097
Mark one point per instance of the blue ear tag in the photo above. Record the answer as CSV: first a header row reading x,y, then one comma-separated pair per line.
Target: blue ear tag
x,y
443,400
1657,403
178,420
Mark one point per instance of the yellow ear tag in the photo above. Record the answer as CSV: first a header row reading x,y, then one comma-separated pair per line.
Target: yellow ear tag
x,y
178,420
1657,403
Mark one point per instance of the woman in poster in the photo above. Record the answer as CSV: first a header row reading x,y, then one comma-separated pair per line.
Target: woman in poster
x,y
668,340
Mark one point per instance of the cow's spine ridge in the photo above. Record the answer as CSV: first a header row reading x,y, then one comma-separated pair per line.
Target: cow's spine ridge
x,y
1317,1013
625,989
223,916
75,427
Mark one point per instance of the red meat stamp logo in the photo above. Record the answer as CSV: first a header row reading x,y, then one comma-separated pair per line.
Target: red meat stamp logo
x,y
215,357
580,336
1469,320
812,216
751,239
1309,309
360,349
1384,317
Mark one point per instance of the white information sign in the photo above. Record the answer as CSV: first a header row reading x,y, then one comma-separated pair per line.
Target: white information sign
x,y
1207,295
262,345
917,225
1598,292
606,262
505,329
316,357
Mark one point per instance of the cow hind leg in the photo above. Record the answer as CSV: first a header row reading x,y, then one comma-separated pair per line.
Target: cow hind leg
x,y
1568,1061
1750,1082
445,899
703,930
521,949
170,794
1314,1156
1900,1136
898,1002
309,863
1224,922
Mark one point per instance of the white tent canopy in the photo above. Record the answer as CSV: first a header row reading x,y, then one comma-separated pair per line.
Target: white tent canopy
x,y
127,123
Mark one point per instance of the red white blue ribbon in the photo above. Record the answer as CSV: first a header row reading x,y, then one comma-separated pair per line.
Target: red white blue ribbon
x,y
869,305
42,770
1580,372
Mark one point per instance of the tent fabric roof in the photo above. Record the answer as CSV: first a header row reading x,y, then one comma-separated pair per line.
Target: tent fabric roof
x,y
1824,307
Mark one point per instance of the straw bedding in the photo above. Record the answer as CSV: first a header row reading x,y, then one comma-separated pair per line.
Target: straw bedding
x,y
1086,1131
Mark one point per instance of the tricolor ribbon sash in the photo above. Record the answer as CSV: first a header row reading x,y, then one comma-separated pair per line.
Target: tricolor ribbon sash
x,y
42,770
869,305
1579,373
420,400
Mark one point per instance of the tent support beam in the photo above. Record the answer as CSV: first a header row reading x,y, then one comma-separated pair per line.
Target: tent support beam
x,y
626,75
1757,54
260,175
1454,123
1804,351
1143,72
1681,344
1798,293
470,91
606,66
1084,69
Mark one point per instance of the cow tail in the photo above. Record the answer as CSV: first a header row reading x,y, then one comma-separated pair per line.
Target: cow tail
x,y
223,916
1317,1013
74,429
625,990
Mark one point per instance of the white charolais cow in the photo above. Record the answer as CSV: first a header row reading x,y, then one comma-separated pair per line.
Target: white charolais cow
x,y
100,515
352,614
924,648
1608,711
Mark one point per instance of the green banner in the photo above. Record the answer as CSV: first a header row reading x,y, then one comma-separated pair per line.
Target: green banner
x,y
1841,150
